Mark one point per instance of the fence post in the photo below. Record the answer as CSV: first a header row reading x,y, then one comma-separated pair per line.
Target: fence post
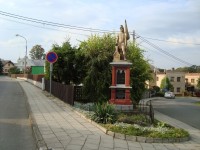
x,y
43,84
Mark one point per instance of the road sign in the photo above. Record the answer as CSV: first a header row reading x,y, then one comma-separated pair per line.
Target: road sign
x,y
51,57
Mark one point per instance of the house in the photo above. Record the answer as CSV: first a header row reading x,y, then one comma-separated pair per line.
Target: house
x,y
7,64
191,80
33,65
176,78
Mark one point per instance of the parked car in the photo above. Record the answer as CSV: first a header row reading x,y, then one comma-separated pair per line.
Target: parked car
x,y
169,95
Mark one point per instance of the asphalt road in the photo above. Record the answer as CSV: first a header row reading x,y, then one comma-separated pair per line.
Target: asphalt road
x,y
182,109
15,128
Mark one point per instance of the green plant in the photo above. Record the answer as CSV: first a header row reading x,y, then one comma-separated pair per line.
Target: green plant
x,y
104,113
140,119
154,132
197,103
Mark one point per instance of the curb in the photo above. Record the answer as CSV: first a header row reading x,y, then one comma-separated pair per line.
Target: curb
x,y
134,138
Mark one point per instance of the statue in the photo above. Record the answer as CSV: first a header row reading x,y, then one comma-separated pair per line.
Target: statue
x,y
121,42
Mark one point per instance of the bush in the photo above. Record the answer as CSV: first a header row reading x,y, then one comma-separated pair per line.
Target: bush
x,y
104,113
159,94
140,119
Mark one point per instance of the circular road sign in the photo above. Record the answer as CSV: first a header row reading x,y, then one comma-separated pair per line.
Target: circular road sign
x,y
51,57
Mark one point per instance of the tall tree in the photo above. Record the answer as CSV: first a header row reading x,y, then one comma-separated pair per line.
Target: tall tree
x,y
1,67
198,83
64,69
37,52
165,84
98,52
140,71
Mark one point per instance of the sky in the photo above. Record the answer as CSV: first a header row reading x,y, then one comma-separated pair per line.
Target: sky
x,y
167,30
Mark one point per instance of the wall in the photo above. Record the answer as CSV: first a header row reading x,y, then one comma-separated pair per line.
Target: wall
x,y
37,70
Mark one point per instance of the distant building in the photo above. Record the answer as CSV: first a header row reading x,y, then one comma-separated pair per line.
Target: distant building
x,y
7,64
191,79
176,78
36,66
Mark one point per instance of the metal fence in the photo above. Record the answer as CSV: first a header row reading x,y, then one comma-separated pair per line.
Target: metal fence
x,y
146,109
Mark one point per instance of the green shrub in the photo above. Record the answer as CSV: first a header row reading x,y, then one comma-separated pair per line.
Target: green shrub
x,y
104,113
159,94
140,119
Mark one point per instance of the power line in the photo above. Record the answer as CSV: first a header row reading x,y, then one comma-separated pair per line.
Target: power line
x,y
43,22
170,41
146,48
164,52
43,27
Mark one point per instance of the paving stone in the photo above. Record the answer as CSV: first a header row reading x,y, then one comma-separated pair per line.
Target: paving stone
x,y
62,128
131,138
73,147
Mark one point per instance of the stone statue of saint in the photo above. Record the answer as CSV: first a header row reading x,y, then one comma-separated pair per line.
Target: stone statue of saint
x,y
121,41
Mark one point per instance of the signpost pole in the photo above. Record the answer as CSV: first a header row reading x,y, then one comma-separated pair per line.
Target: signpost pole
x,y
51,69
51,57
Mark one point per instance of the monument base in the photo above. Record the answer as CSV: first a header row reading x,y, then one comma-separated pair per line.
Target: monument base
x,y
120,101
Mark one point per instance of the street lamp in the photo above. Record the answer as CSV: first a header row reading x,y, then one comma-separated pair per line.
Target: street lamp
x,y
25,54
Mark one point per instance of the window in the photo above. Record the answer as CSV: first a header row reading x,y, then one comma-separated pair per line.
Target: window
x,y
186,80
192,80
172,79
8,65
172,89
178,89
178,79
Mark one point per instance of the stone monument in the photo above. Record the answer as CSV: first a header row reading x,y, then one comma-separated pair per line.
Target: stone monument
x,y
120,88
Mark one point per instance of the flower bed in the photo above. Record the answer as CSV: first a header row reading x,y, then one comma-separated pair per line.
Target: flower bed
x,y
132,127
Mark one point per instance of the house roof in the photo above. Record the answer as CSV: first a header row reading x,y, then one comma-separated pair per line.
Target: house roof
x,y
37,62
6,61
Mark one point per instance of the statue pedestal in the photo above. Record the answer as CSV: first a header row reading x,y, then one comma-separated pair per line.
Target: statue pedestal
x,y
120,88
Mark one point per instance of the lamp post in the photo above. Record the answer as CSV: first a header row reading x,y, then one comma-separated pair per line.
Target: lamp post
x,y
25,54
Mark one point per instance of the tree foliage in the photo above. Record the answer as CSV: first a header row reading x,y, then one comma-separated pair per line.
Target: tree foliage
x,y
140,71
37,52
165,84
65,69
1,67
90,64
98,53
198,83
191,69
14,70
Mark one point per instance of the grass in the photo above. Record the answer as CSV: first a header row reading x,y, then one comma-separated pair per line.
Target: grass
x,y
197,103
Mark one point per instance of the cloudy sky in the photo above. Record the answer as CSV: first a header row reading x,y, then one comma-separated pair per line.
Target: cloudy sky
x,y
168,30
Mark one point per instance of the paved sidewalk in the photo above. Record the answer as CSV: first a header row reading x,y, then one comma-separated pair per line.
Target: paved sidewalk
x,y
61,128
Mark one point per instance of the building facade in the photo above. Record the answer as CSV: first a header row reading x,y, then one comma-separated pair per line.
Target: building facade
x,y
7,64
181,81
177,79
37,65
191,79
